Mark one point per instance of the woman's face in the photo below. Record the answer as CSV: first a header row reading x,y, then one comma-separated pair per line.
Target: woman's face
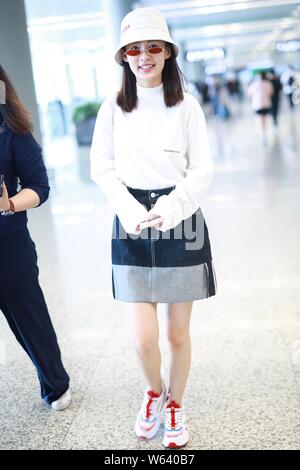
x,y
148,65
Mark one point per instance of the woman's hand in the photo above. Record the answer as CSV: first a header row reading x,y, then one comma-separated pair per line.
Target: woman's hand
x,y
4,200
150,217
154,216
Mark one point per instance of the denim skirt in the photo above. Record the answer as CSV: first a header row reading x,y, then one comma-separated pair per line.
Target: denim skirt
x,y
166,267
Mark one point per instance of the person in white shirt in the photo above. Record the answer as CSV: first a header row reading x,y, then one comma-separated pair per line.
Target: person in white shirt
x,y
151,157
261,91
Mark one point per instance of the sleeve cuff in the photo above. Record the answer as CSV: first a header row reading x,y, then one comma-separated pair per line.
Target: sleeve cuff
x,y
164,209
42,192
131,218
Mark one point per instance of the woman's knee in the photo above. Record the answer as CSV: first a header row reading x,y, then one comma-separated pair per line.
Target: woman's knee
x,y
177,338
145,345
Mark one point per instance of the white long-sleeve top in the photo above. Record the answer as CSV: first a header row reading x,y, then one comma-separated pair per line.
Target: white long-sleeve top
x,y
152,147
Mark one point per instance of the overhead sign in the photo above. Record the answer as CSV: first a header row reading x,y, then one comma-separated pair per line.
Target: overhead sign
x,y
205,54
288,46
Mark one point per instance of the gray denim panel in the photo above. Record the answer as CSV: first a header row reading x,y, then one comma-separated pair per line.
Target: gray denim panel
x,y
165,285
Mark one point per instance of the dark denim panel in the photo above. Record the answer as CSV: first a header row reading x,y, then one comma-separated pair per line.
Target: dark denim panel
x,y
132,250
174,252
162,249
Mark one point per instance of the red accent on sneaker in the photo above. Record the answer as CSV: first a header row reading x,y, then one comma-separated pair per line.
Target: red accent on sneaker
x,y
151,395
173,405
172,445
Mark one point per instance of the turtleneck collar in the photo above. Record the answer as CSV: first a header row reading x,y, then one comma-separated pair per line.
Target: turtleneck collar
x,y
156,90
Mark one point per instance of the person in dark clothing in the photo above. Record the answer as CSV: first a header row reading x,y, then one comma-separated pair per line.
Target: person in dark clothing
x,y
21,298
290,84
288,79
275,80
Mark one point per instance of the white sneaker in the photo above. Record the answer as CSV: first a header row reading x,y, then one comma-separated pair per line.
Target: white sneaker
x,y
149,418
63,402
176,428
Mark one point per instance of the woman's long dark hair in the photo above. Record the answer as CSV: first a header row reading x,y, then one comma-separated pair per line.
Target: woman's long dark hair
x,y
172,78
13,113
263,75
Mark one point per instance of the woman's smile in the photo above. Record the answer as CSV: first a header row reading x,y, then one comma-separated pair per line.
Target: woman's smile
x,y
146,67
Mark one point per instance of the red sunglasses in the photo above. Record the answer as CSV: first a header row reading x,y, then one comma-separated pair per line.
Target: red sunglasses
x,y
150,50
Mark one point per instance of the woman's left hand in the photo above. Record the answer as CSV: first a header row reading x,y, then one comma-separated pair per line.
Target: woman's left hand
x,y
4,200
155,216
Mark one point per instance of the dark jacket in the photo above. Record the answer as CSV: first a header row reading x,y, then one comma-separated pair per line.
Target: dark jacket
x,y
21,164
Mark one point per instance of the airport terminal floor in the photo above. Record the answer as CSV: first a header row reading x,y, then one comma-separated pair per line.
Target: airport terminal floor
x,y
244,386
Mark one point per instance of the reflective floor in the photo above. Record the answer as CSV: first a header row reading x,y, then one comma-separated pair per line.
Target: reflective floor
x,y
244,386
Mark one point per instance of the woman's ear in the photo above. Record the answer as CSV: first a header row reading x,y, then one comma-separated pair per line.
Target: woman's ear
x,y
168,53
124,56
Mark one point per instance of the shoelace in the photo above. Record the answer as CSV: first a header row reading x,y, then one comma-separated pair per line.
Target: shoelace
x,y
174,417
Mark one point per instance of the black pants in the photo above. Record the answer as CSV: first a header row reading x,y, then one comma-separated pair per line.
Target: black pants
x,y
24,306
274,110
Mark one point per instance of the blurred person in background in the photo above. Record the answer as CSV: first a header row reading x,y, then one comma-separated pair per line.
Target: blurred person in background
x,y
287,79
21,298
277,87
233,86
214,92
261,92
218,97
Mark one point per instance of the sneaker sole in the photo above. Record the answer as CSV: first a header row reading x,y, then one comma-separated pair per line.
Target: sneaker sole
x,y
173,445
142,438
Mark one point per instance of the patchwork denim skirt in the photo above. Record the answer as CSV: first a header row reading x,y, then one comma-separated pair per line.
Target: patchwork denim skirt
x,y
166,267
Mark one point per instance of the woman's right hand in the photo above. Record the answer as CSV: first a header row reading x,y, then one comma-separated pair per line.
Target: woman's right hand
x,y
151,220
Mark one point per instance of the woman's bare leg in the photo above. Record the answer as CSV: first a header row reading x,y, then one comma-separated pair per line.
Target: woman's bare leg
x,y
264,125
146,337
179,315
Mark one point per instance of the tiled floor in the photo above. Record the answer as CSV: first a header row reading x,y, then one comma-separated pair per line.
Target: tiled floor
x,y
244,386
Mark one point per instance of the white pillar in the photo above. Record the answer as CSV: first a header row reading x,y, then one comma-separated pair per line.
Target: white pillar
x,y
114,12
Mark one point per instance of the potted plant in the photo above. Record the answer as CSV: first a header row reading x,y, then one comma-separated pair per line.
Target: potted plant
x,y
84,118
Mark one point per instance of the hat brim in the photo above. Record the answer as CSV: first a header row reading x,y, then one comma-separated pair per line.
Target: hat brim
x,y
143,35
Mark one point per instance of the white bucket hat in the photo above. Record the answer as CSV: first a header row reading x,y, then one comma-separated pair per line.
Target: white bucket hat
x,y
143,24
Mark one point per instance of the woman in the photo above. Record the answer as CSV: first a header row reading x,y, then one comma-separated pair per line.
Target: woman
x,y
151,157
21,298
261,92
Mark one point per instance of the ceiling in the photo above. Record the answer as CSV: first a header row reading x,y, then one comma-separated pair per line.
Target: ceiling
x,y
247,29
